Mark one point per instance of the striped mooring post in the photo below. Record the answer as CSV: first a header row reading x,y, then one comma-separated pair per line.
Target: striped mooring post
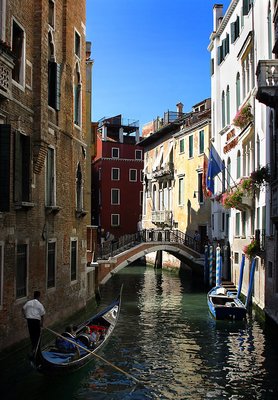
x,y
218,267
210,265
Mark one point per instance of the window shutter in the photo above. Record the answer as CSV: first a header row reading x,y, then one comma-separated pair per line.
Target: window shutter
x,y
58,86
227,43
26,161
5,147
219,55
18,171
246,7
233,32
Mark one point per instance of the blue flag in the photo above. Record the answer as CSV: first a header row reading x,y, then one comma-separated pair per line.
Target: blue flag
x,y
215,166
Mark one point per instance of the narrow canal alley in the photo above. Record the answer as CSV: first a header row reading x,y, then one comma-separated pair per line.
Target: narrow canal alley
x,y
166,338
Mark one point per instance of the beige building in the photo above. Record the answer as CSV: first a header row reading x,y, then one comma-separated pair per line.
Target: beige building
x,y
175,150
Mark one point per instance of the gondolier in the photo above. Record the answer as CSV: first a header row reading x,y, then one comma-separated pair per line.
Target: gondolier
x,y
34,312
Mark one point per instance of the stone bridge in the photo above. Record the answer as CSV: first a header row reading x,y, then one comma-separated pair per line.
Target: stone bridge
x,y
120,255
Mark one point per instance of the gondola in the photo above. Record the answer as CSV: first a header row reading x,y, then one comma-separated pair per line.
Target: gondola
x,y
56,359
225,305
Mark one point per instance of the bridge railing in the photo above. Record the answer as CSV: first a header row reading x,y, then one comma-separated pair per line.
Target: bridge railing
x,y
112,247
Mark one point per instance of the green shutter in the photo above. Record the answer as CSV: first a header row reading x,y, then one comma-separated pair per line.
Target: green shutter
x,y
58,86
5,158
233,32
26,163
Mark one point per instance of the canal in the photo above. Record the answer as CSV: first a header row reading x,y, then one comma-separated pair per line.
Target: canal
x,y
165,337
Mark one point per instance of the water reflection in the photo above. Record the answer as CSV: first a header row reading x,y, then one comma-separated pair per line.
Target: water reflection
x,y
167,339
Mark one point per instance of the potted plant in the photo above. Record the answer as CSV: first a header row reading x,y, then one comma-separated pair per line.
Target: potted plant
x,y
252,249
243,116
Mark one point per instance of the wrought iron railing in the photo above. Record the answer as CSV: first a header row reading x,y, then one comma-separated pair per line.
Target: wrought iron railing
x,y
113,247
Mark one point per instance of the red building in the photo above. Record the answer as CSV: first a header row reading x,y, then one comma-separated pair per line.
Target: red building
x,y
117,171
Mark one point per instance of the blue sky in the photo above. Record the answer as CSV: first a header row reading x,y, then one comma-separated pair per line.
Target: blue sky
x,y
149,55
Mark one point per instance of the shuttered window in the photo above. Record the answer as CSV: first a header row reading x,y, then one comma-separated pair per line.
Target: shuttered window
x,y
5,165
51,263
54,83
73,260
21,167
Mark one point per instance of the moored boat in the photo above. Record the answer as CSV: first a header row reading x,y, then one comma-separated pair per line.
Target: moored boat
x,y
224,305
89,337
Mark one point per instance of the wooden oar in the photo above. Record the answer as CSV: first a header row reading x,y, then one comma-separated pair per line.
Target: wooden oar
x,y
96,355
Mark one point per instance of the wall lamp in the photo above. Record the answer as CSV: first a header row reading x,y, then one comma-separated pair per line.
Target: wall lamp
x,y
195,194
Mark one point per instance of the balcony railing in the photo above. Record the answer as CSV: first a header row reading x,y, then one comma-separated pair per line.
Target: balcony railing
x,y
267,79
162,217
6,67
165,170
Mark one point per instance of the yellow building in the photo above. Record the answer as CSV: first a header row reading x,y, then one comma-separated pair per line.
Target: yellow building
x,y
175,149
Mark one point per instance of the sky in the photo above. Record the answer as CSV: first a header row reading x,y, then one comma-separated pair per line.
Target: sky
x,y
149,55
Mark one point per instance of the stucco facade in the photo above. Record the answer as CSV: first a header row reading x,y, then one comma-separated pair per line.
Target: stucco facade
x,y
240,132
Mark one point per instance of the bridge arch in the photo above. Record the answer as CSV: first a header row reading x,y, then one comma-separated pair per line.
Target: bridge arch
x,y
180,251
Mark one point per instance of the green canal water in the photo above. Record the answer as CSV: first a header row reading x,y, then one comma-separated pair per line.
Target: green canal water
x,y
167,338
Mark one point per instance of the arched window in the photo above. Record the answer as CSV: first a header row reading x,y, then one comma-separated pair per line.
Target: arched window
x,y
154,197
77,95
229,173
54,72
228,112
79,189
238,89
238,164
223,104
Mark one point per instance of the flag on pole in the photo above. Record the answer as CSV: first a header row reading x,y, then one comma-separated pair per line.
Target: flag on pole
x,y
206,192
215,166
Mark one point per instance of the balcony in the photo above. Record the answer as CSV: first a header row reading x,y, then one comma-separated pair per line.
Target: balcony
x,y
163,217
6,67
164,171
267,79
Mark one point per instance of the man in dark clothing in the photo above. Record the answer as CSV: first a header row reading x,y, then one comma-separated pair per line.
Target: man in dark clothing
x,y
34,312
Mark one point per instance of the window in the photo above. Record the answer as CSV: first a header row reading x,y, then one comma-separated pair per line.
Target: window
x,y
212,66
238,89
5,166
115,196
237,226
1,272
79,189
115,219
21,167
243,223
133,175
21,270
18,48
50,178
190,149
77,96
223,107
115,152
227,225
247,4
223,177
54,81
51,263
73,259
141,197
77,44
115,174
138,154
182,146
236,257
201,141
238,164
228,112
235,30
200,188
51,8
181,191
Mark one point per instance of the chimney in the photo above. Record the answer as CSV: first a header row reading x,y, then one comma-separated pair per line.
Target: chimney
x,y
179,108
217,16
